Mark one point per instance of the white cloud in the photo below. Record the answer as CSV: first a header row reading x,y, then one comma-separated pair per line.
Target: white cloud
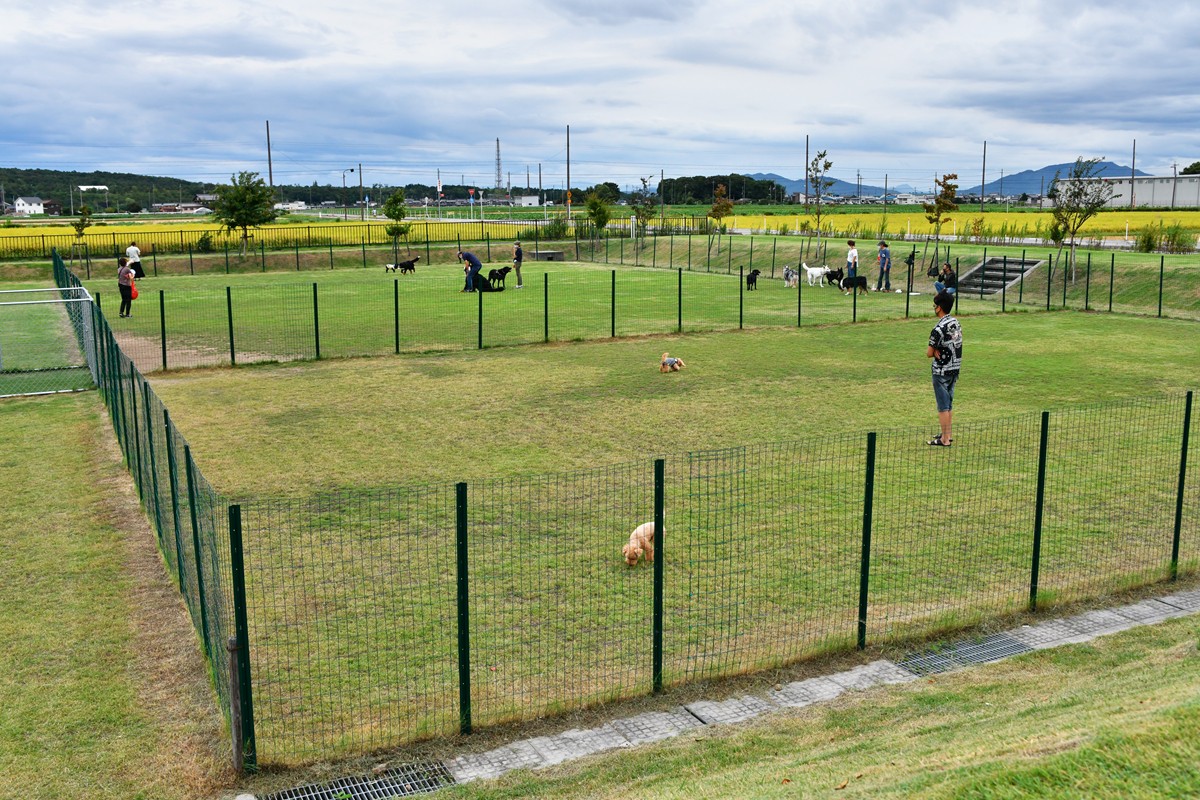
x,y
686,87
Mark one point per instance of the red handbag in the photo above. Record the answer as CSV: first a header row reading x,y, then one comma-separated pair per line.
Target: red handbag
x,y
133,290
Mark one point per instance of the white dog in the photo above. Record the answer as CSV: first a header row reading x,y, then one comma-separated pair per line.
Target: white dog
x,y
816,275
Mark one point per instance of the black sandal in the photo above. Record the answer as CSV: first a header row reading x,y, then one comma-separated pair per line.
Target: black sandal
x,y
936,441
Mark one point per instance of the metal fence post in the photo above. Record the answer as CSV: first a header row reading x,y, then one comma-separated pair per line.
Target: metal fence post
x,y
545,306
1112,273
246,740
162,325
137,436
679,301
229,316
1162,262
613,306
657,633
158,528
464,613
1087,283
864,575
189,471
479,295
173,472
1039,508
1049,279
741,294
316,323
396,310
1183,457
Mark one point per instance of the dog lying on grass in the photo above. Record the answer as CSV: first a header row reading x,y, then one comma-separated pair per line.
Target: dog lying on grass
x,y
670,364
752,279
641,543
403,266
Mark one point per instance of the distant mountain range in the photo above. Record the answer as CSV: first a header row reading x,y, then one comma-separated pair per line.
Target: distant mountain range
x,y
1031,181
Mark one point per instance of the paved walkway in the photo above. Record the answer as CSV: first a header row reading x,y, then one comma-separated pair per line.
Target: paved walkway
x,y
546,751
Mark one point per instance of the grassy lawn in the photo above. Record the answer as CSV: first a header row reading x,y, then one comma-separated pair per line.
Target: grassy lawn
x,y
211,318
102,689
555,442
1117,717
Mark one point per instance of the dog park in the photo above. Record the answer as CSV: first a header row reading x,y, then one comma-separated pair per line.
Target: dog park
x,y
425,494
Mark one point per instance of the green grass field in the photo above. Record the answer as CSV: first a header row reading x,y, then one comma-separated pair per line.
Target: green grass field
x,y
212,318
102,689
555,443
330,436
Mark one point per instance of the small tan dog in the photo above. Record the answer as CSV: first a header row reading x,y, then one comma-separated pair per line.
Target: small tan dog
x,y
641,542
669,364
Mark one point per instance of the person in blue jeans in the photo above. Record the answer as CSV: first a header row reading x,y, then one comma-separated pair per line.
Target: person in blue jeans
x,y
947,281
471,266
885,268
946,349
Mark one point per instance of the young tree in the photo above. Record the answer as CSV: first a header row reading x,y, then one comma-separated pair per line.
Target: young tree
x,y
245,203
1077,198
645,206
944,202
394,208
82,223
598,211
818,184
722,207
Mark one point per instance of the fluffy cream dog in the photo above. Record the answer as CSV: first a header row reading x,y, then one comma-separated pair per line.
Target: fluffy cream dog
x,y
641,542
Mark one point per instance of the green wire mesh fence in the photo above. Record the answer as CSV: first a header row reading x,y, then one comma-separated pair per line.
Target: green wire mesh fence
x,y
366,619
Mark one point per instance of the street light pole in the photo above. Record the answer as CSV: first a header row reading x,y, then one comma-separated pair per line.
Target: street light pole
x,y
362,198
345,210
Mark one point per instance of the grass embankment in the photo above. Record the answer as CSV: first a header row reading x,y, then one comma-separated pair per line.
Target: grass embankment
x,y
102,689
1117,717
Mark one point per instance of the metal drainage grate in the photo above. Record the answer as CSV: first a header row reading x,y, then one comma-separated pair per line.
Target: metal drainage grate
x,y
406,781
981,651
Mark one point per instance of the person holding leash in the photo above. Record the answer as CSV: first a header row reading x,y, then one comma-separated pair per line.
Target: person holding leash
x,y
885,268
518,257
945,348
471,266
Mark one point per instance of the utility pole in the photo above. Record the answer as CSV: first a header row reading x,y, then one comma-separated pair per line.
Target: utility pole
x,y
806,173
270,169
1133,178
362,209
499,179
1174,183
568,173
983,179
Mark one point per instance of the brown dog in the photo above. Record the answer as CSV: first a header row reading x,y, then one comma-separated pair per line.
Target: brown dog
x,y
641,542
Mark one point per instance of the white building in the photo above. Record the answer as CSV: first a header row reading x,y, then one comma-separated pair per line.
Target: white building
x,y
526,201
1182,191
29,205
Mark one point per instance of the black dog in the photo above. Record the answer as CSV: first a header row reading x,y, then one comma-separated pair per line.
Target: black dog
x,y
838,278
483,284
403,266
497,276
752,279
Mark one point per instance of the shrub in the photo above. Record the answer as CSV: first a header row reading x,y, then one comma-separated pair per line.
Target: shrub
x,y
205,243
555,229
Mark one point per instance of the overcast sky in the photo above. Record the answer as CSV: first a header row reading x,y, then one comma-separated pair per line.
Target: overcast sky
x,y
681,87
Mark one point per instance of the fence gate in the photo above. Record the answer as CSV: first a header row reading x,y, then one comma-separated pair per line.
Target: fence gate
x,y
46,342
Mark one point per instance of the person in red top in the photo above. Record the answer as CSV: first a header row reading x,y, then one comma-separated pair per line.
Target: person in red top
x,y
125,284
